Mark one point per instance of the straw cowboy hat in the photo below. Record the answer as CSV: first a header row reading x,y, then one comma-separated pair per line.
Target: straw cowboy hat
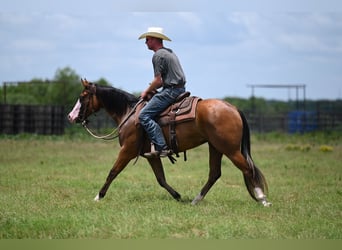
x,y
155,32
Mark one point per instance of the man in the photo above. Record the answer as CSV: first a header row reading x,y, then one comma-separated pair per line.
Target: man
x,y
168,75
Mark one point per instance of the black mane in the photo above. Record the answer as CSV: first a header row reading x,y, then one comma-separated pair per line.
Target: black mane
x,y
115,99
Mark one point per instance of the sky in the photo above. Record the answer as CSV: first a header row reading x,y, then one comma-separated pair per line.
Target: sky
x,y
223,46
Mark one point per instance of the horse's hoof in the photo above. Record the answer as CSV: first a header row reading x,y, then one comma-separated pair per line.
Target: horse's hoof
x,y
97,198
177,196
198,198
266,203
194,203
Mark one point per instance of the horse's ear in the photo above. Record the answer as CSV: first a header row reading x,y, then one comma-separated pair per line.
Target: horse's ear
x,y
84,82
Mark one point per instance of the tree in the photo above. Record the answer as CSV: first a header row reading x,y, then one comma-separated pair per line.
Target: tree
x,y
66,87
103,82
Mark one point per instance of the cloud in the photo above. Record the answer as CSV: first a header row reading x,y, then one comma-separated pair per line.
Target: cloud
x,y
297,32
227,50
310,34
249,20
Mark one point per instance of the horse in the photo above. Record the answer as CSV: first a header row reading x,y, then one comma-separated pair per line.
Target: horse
x,y
218,123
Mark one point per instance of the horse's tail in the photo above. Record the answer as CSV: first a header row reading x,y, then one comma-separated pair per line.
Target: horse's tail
x,y
257,179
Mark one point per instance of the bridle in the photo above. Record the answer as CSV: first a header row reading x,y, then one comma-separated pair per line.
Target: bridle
x,y
91,92
115,133
88,92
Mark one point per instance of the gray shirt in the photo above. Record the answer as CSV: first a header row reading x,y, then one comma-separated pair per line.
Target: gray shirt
x,y
166,64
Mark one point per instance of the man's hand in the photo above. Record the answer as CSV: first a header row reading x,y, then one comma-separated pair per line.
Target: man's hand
x,y
152,88
148,95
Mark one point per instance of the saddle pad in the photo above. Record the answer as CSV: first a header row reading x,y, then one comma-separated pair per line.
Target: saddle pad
x,y
183,111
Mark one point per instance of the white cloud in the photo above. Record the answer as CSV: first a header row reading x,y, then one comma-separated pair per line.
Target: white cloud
x,y
312,32
251,21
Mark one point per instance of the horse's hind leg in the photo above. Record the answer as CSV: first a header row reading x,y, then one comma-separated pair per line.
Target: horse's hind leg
x,y
215,158
158,171
254,179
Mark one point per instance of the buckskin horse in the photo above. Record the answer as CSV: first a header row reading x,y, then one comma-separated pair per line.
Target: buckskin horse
x,y
216,122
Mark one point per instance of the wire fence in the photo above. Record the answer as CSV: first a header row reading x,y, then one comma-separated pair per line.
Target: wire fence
x,y
295,122
51,120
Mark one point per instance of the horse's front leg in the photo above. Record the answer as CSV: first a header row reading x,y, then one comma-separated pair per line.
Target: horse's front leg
x,y
158,171
124,157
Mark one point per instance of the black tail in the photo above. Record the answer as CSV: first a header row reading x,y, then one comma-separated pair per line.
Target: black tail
x,y
257,179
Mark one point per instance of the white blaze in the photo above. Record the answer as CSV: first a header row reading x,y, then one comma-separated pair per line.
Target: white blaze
x,y
75,112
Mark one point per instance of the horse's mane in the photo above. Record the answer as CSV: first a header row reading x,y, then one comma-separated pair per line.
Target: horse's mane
x,y
116,99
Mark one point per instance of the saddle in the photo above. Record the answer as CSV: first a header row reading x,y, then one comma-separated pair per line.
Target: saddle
x,y
182,110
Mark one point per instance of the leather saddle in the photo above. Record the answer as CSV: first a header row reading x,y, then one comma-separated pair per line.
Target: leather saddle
x,y
182,110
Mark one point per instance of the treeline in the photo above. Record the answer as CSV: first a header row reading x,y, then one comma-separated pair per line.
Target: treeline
x,y
62,90
65,87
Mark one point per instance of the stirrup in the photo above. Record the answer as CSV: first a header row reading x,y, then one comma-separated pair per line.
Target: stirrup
x,y
155,154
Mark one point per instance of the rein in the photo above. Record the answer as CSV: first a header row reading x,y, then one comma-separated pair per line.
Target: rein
x,y
103,137
115,133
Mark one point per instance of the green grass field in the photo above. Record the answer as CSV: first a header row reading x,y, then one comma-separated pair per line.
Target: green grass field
x,y
47,186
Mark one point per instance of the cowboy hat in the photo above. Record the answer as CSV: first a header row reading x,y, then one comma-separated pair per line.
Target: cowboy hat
x,y
155,32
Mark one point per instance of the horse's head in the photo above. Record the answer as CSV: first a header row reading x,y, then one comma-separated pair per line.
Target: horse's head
x,y
86,104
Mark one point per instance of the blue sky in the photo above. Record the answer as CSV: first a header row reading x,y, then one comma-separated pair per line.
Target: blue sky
x,y
223,47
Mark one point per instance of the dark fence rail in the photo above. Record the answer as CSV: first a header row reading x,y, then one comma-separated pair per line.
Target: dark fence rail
x,y
295,122
51,120
46,120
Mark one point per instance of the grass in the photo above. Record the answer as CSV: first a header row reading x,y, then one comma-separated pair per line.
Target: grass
x,y
47,186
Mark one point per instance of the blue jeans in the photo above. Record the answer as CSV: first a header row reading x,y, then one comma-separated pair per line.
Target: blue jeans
x,y
152,110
